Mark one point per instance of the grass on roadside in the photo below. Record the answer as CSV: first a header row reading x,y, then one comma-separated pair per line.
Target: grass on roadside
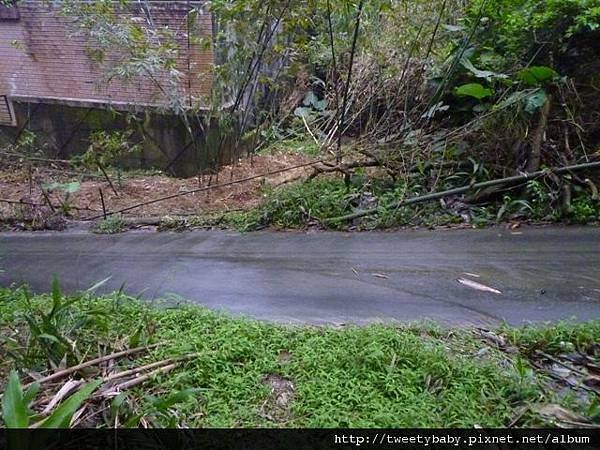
x,y
308,203
111,225
244,373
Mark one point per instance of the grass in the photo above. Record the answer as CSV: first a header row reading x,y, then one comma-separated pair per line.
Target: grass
x,y
111,225
562,337
302,204
242,221
375,376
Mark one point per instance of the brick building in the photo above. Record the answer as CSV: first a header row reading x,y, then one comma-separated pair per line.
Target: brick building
x,y
51,85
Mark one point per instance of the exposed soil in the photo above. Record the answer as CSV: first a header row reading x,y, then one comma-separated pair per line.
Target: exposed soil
x,y
19,183
277,406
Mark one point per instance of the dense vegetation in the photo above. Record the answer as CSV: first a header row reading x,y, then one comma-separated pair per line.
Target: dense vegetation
x,y
502,88
398,99
214,370
395,100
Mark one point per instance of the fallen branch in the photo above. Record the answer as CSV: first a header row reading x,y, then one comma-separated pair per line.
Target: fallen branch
x,y
106,177
63,392
343,168
46,197
208,188
35,158
63,373
154,365
561,363
26,203
499,182
135,381
551,374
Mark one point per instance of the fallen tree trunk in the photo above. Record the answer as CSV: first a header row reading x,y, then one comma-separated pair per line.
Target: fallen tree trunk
x,y
461,190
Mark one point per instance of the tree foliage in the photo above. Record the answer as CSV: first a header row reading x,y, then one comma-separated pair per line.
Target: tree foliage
x,y
517,29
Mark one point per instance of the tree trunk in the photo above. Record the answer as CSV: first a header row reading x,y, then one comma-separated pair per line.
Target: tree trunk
x,y
535,155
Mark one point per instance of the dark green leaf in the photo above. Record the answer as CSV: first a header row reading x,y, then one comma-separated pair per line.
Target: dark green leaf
x,y
14,408
134,340
56,296
115,405
173,399
474,90
30,393
49,337
536,75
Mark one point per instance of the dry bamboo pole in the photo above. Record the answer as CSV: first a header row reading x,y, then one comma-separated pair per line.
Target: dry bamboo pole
x,y
460,190
93,362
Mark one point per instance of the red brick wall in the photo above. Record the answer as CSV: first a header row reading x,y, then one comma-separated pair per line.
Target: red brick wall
x,y
42,58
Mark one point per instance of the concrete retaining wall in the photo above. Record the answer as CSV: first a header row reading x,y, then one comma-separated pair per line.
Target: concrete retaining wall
x,y
63,131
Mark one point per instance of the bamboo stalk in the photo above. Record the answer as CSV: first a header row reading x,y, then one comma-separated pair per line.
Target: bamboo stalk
x,y
92,362
63,392
537,139
139,380
460,190
154,365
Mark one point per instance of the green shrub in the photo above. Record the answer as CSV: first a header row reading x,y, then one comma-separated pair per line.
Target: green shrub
x,y
296,205
585,209
513,27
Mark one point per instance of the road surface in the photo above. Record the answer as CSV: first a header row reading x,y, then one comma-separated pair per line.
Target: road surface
x,y
543,274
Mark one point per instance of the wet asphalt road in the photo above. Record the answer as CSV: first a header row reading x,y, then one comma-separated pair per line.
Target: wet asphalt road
x,y
544,274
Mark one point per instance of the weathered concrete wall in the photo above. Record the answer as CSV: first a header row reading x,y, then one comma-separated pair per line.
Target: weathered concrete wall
x,y
166,144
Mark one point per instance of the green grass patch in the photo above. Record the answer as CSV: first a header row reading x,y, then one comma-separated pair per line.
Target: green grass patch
x,y
307,203
298,204
310,202
374,376
111,225
559,338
